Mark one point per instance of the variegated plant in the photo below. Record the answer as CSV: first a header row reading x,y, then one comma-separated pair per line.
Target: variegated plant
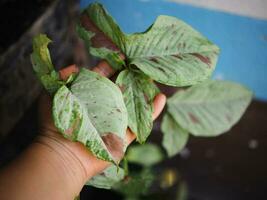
x,y
91,109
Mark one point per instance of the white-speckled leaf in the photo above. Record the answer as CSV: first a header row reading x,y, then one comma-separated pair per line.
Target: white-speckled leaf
x,y
172,52
210,108
101,18
138,93
108,178
174,137
101,34
92,111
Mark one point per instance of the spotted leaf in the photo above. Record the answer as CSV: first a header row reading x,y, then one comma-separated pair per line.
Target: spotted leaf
x,y
92,112
172,52
101,34
210,108
138,93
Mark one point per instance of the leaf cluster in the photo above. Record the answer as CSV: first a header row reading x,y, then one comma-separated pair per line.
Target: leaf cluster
x,y
96,112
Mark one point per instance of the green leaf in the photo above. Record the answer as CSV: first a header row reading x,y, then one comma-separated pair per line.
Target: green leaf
x,y
42,64
85,35
105,23
146,154
92,111
108,178
112,57
210,108
101,35
172,52
135,185
174,137
138,92
51,82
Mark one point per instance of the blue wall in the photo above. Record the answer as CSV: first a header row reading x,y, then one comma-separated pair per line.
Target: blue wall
x,y
243,40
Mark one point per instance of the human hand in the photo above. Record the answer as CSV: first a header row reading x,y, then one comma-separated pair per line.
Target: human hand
x,y
50,136
53,167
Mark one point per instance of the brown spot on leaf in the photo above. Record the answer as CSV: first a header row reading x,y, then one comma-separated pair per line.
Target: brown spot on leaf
x,y
229,118
69,131
114,145
99,39
204,59
74,126
177,56
146,98
102,174
126,179
153,59
161,69
193,118
118,110
122,88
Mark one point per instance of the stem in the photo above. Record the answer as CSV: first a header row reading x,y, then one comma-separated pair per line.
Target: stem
x,y
125,166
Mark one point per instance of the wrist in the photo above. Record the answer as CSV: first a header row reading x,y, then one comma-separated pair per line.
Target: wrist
x,y
72,154
47,169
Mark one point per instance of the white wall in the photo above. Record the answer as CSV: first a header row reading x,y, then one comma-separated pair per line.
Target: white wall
x,y
251,8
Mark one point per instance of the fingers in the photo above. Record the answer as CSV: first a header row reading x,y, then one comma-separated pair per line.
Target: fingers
x,y
130,137
104,69
67,71
159,103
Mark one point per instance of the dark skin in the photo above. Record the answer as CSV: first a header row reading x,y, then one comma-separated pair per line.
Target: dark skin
x,y
53,167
